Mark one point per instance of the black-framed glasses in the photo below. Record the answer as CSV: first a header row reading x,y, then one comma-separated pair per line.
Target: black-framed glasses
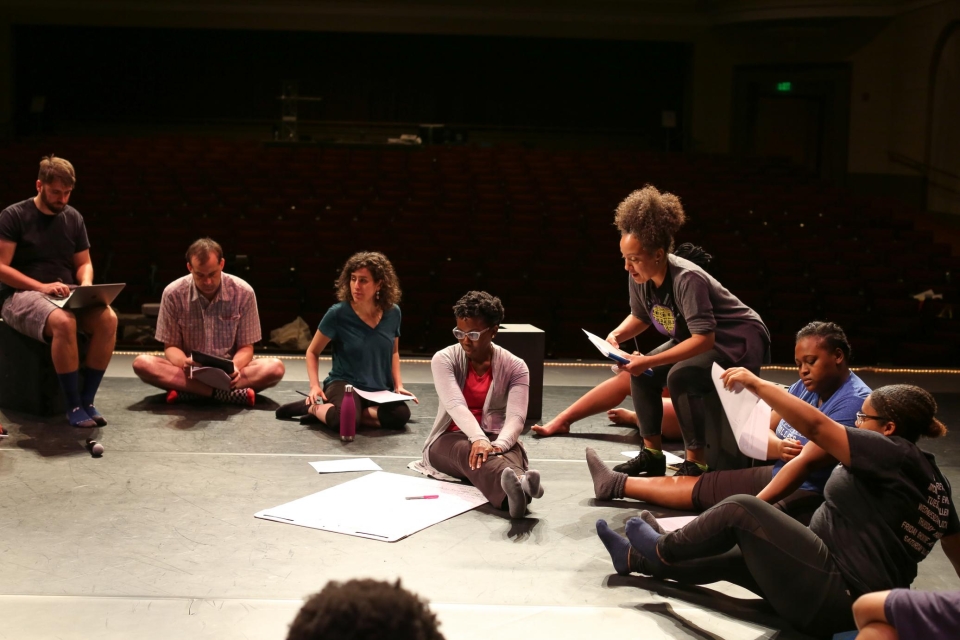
x,y
473,335
861,417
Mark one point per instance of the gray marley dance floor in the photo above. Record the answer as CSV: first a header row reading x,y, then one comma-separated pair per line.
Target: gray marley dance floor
x,y
157,538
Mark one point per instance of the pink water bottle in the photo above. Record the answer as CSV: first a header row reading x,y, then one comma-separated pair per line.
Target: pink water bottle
x,y
348,416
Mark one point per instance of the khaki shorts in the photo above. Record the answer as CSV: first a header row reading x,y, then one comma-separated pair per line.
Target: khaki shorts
x,y
27,312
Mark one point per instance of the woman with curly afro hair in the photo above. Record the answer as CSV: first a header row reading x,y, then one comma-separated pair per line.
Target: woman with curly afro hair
x,y
364,328
703,322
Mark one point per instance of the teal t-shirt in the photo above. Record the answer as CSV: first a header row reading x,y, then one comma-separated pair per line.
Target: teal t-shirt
x,y
362,356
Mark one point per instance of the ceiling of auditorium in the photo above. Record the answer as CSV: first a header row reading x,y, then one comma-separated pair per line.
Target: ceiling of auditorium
x,y
640,19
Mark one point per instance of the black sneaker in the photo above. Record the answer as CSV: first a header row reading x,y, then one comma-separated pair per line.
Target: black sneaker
x,y
688,468
645,464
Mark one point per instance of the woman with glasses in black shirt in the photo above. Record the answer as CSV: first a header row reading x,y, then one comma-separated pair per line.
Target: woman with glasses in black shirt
x,y
885,506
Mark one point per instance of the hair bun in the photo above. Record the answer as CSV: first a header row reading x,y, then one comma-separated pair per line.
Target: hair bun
x,y
936,429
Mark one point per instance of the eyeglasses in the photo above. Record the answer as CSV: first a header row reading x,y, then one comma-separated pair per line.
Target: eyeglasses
x,y
861,417
473,335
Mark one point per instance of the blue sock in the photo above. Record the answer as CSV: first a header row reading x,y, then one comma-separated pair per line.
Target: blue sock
x,y
70,382
644,539
91,382
617,546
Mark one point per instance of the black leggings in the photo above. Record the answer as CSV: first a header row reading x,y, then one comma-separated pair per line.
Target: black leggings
x,y
392,415
690,383
748,542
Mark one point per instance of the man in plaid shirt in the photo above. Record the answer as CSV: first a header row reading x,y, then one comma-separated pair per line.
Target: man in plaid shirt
x,y
214,313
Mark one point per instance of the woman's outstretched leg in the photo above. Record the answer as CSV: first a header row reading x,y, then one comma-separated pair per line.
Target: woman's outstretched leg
x,y
674,492
604,396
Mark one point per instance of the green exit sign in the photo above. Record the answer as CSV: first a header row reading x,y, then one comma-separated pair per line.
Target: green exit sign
x,y
785,87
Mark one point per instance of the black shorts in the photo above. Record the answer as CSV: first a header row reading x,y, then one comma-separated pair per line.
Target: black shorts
x,y
715,486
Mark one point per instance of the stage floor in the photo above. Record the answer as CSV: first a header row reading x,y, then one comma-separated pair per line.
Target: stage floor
x,y
157,538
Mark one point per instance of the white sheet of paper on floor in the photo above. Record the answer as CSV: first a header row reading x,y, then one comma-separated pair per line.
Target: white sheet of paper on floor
x,y
672,524
349,464
381,397
671,458
375,506
749,416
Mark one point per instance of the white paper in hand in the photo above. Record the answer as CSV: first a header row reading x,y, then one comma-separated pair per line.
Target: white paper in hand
x,y
341,466
749,416
382,397
606,348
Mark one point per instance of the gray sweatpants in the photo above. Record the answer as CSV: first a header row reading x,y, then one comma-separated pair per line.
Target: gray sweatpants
x,y
450,453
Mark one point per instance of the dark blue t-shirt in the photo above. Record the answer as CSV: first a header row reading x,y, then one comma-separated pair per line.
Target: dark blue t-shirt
x,y
362,356
842,407
46,244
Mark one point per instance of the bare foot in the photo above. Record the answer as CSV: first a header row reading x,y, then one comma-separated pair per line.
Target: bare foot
x,y
552,428
622,416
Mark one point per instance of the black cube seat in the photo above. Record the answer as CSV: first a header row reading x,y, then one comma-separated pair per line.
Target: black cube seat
x,y
28,381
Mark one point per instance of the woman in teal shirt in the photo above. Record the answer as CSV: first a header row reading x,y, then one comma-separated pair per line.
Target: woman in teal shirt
x,y
364,328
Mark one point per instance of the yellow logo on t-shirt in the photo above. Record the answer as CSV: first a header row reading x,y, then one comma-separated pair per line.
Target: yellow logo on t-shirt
x,y
664,316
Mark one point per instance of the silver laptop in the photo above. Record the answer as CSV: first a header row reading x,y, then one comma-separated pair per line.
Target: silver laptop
x,y
91,295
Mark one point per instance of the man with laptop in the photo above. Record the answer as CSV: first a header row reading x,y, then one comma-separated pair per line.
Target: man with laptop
x,y
44,255
208,323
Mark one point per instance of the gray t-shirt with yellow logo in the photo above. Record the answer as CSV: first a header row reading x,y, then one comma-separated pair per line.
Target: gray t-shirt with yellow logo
x,y
692,302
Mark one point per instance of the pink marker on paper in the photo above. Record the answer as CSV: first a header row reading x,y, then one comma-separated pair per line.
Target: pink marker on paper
x,y
422,497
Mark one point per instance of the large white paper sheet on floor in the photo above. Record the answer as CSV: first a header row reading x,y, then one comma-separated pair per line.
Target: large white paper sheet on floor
x,y
749,416
341,466
382,397
672,524
672,459
375,506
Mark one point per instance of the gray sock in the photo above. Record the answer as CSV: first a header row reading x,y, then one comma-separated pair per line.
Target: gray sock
x,y
516,498
607,483
531,483
651,520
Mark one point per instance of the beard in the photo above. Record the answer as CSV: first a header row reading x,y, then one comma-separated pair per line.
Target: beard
x,y
56,208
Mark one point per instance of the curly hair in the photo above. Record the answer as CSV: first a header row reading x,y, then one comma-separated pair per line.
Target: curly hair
x,y
829,334
364,610
382,272
912,409
480,304
653,217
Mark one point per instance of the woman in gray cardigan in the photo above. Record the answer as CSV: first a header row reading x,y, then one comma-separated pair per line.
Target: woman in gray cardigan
x,y
483,392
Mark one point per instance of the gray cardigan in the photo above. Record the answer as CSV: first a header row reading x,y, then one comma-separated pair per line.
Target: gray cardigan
x,y
504,411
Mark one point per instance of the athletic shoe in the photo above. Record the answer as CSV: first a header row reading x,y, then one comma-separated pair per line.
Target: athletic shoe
x,y
293,409
645,463
246,397
689,468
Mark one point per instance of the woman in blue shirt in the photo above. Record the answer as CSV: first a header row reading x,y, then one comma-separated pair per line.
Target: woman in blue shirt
x,y
364,328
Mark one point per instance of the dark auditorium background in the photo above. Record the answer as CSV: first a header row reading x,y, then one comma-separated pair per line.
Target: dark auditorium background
x,y
815,147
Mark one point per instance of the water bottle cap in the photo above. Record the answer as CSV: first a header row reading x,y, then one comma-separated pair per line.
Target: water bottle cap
x,y
349,388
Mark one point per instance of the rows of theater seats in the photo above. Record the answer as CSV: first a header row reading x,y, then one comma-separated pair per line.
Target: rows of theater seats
x,y
532,226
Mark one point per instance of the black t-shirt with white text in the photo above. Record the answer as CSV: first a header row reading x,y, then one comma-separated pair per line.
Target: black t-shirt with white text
x,y
883,514
45,244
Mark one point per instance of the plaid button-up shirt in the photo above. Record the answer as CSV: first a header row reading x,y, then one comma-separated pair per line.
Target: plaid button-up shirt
x,y
218,327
